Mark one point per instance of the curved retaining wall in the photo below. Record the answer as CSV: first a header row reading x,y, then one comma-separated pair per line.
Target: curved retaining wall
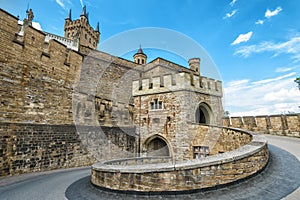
x,y
186,175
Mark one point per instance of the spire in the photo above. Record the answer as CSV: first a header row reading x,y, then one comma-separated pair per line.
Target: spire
x,y
83,13
70,15
87,16
97,27
140,51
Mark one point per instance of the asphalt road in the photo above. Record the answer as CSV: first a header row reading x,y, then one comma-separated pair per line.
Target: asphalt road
x,y
279,180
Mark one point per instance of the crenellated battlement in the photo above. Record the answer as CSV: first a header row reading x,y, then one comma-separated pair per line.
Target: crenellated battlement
x,y
287,125
176,82
38,74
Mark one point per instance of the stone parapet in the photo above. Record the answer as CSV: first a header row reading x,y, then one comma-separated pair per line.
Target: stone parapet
x,y
177,82
193,174
284,125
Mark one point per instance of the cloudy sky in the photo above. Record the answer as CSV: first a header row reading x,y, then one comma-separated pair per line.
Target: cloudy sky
x,y
255,44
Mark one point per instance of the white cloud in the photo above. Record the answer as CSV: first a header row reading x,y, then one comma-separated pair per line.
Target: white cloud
x,y
283,69
291,47
269,13
228,15
274,79
270,96
233,2
259,22
242,38
60,3
35,25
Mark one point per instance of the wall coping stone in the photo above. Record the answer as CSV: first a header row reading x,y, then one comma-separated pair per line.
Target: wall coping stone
x,y
258,142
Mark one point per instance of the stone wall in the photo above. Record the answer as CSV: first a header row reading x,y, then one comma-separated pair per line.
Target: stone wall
x,y
187,175
36,77
284,125
31,147
218,140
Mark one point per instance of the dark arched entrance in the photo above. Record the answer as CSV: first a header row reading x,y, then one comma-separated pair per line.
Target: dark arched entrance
x,y
157,147
203,114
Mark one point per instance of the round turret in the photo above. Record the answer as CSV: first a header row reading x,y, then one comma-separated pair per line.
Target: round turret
x,y
139,57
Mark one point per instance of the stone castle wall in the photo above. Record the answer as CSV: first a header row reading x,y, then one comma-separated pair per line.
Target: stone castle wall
x,y
38,80
283,125
32,147
36,77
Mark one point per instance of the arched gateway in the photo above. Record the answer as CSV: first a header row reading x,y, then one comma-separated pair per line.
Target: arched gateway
x,y
156,146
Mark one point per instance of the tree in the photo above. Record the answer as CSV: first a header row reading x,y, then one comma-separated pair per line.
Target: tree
x,y
297,80
226,113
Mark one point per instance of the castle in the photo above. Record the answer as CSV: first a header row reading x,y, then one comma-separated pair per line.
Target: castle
x,y
66,104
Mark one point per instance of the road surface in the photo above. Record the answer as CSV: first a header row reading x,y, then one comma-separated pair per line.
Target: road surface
x,y
278,181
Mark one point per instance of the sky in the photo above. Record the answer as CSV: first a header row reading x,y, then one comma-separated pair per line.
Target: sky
x,y
254,44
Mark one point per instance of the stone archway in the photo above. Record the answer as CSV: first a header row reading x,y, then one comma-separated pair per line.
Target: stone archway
x,y
156,146
203,114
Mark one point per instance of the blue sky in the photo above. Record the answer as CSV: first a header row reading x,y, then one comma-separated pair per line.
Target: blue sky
x,y
254,43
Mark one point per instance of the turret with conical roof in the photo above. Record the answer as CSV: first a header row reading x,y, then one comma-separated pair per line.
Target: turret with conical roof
x,y
81,29
69,15
139,57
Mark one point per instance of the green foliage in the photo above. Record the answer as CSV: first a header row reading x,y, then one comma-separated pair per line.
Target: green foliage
x,y
297,80
226,113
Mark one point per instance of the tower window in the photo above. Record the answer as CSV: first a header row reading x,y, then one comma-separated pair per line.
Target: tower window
x,y
143,61
90,40
138,61
156,105
85,36
68,34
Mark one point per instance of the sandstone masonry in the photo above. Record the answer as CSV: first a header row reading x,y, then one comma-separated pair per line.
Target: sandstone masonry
x,y
284,125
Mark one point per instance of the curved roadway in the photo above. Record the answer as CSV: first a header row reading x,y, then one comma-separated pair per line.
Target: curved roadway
x,y
279,180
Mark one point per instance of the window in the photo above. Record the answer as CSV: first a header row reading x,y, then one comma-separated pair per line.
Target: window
x,y
155,104
138,61
200,151
85,36
143,61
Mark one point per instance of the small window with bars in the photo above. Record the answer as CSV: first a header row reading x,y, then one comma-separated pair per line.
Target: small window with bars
x,y
200,152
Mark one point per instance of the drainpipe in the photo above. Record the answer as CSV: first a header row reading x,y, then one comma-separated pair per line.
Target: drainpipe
x,y
139,135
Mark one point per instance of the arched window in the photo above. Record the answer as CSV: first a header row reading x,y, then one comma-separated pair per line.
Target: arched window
x,y
138,61
203,114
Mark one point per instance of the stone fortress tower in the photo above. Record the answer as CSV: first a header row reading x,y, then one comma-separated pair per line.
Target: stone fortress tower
x,y
81,30
170,102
